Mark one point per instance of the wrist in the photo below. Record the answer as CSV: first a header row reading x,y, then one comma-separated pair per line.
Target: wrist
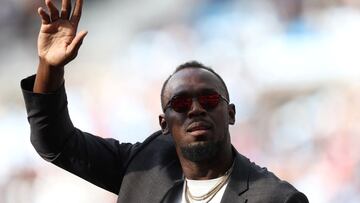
x,y
48,78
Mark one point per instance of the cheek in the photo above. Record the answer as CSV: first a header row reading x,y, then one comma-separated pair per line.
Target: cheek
x,y
177,128
175,124
221,120
177,132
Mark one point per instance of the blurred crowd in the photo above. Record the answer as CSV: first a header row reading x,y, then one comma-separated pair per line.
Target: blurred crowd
x,y
291,67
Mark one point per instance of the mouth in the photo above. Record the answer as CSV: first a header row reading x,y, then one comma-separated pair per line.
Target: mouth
x,y
198,128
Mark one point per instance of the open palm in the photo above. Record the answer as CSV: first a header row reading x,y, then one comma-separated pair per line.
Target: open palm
x,y
58,42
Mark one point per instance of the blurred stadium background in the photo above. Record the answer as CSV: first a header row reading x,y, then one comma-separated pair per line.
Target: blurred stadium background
x,y
291,66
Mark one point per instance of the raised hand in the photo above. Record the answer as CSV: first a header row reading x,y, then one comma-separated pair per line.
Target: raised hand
x,y
58,42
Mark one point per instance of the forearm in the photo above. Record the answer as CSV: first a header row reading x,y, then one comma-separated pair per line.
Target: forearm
x,y
98,160
48,117
48,78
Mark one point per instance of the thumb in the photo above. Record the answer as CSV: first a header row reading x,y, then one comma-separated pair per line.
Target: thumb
x,y
74,46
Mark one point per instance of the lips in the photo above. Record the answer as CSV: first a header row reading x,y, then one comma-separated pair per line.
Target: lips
x,y
198,126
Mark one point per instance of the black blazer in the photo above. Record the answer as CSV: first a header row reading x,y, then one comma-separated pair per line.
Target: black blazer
x,y
141,172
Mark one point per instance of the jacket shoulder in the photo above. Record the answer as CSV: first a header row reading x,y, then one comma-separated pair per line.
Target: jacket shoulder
x,y
157,149
265,186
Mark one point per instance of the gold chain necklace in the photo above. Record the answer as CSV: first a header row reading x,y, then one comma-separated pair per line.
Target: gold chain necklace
x,y
213,191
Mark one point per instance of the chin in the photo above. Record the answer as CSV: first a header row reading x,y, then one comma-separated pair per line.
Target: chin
x,y
201,151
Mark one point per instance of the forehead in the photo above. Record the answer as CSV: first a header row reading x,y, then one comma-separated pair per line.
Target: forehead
x,y
193,81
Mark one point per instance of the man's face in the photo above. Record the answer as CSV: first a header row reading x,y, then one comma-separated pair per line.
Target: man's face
x,y
199,134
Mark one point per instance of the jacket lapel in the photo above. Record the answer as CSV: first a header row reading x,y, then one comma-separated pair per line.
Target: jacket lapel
x,y
239,181
151,187
167,183
174,194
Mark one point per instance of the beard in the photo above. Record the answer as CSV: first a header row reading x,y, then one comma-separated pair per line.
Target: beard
x,y
202,151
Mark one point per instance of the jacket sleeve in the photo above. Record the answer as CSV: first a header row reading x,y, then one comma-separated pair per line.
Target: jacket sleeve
x,y
100,161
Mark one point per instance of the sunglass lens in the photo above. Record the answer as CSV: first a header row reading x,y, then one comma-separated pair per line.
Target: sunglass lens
x,y
209,101
181,104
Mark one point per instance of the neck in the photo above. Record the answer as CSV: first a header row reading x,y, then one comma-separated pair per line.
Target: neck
x,y
208,169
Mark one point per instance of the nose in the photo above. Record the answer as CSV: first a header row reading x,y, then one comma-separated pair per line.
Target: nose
x,y
196,109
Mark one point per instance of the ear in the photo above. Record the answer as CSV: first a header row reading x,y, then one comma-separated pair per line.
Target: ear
x,y
163,124
232,112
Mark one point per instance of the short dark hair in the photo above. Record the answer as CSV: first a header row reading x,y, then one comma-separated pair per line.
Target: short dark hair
x,y
192,64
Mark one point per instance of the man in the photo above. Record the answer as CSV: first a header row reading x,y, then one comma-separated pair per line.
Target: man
x,y
190,160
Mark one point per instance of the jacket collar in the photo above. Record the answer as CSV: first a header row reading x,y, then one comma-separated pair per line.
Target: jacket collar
x,y
238,183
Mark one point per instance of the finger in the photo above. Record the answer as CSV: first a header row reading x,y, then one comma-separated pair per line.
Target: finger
x,y
54,13
65,9
76,43
75,18
45,18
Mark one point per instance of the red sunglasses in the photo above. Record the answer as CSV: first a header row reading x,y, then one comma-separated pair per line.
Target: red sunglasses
x,y
183,103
